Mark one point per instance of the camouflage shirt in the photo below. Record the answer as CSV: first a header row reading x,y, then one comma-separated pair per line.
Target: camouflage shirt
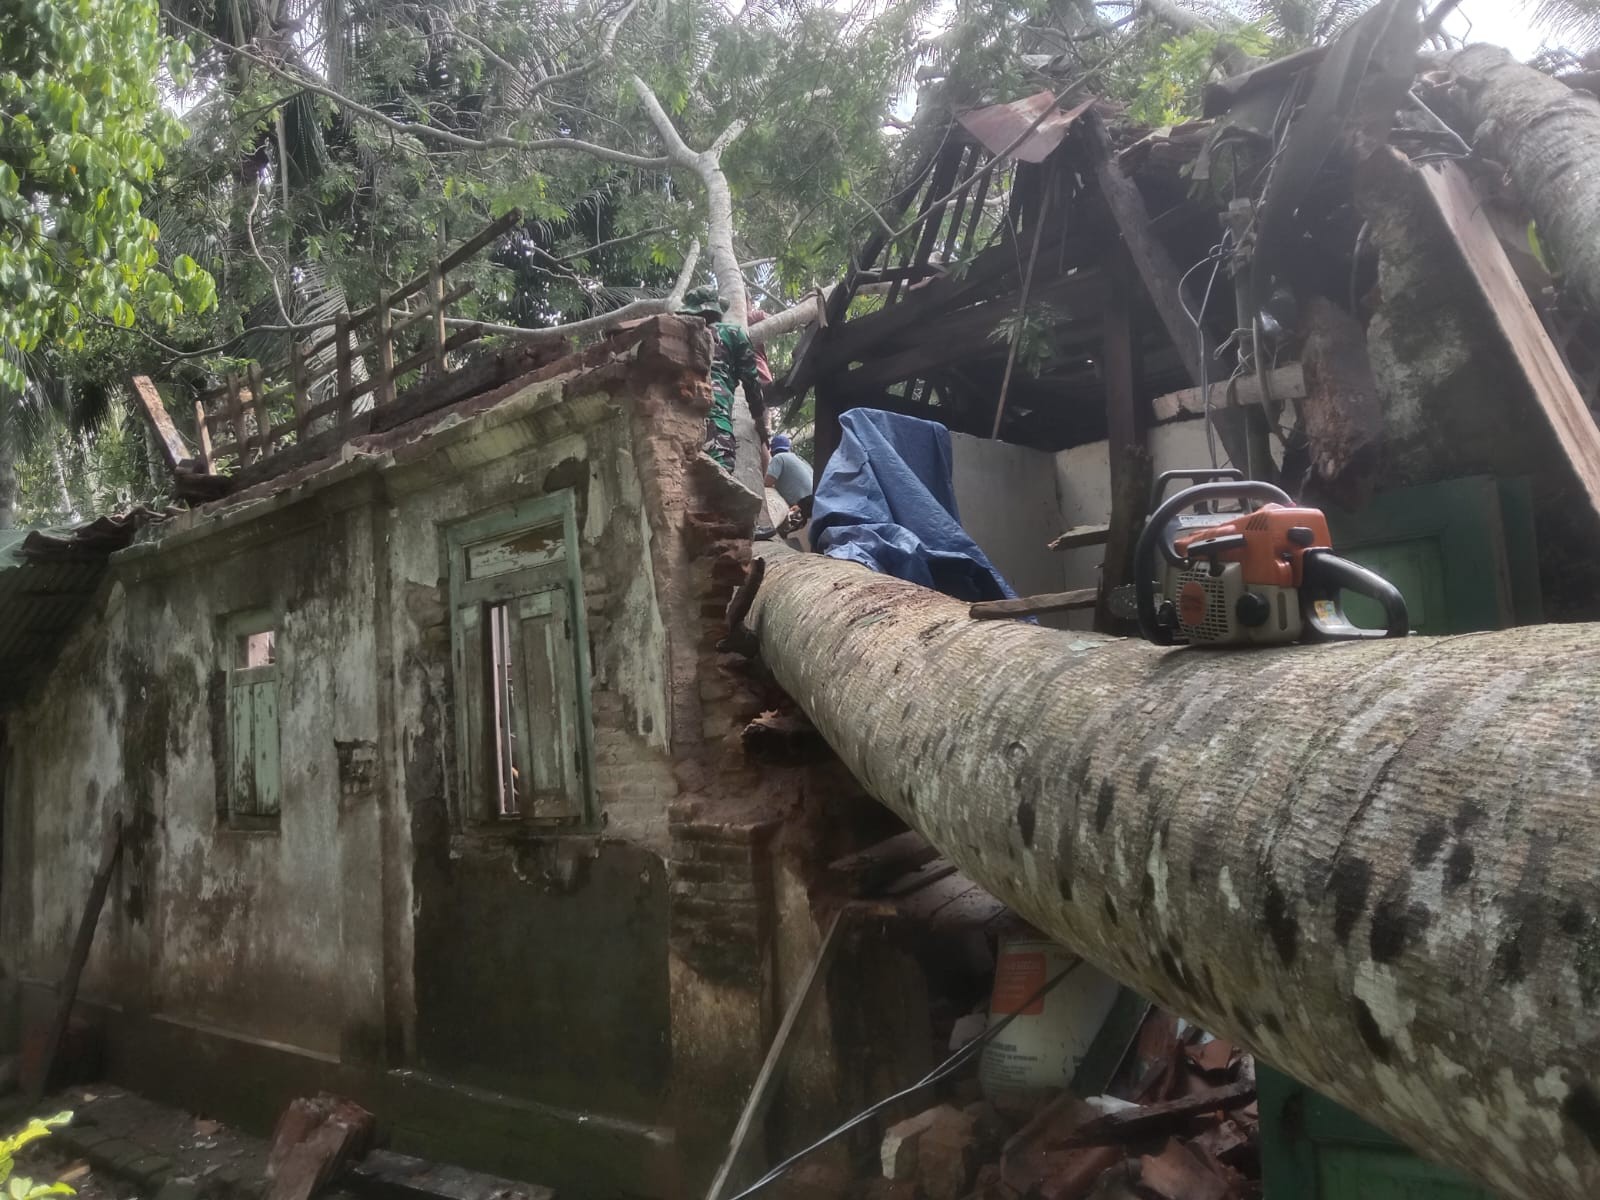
x,y
733,361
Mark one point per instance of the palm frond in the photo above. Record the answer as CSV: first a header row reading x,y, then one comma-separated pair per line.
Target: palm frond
x,y
1574,20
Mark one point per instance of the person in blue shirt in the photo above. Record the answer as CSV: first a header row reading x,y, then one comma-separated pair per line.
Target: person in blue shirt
x,y
790,476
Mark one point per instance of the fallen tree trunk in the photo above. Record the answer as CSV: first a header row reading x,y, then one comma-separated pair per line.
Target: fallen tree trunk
x,y
1548,137
1372,863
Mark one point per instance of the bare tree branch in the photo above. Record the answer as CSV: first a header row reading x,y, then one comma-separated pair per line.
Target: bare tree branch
x,y
707,164
595,324
796,316
426,132
616,241
1182,19
608,39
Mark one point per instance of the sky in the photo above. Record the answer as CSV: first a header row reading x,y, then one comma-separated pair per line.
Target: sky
x,y
1502,22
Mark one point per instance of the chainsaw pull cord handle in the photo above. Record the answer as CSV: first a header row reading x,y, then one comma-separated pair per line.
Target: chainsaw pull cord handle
x,y
1324,574
1157,535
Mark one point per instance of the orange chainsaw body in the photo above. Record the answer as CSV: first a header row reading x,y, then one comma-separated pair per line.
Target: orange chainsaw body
x,y
1271,556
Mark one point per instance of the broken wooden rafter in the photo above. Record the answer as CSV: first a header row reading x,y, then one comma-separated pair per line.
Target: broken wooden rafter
x,y
1158,1120
1342,858
1033,606
1160,275
1081,535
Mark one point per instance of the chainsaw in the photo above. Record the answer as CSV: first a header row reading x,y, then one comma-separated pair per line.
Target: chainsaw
x,y
1252,578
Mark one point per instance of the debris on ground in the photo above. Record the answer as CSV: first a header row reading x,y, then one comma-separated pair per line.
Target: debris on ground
x,y
1179,1122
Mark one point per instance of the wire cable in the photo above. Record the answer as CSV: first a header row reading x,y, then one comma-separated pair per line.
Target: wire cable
x,y
1215,257
948,1067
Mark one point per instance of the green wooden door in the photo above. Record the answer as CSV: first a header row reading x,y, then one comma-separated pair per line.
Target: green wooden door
x,y
1312,1149
1461,553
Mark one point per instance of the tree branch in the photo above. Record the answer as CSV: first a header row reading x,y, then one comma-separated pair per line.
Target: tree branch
x,y
707,164
608,39
796,316
677,149
596,324
426,132
726,137
1182,19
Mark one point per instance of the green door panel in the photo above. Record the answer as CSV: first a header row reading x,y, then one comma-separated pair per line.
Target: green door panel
x,y
1461,552
1313,1149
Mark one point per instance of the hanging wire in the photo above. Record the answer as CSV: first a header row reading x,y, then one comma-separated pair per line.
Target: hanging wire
x,y
1215,257
948,1067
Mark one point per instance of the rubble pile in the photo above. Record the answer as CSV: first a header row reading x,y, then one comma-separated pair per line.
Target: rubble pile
x,y
1178,1122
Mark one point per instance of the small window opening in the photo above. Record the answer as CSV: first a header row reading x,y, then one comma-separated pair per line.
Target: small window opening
x,y
255,649
503,697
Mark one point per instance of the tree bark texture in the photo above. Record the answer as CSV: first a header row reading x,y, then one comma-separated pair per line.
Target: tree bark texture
x,y
1342,410
1372,863
1548,136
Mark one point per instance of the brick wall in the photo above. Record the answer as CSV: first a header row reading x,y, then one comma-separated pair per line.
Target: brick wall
x,y
722,903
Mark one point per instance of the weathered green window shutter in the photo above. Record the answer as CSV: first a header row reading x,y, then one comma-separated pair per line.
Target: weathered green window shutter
x,y
254,775
521,665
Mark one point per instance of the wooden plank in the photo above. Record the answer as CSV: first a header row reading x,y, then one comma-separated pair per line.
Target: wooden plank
x,y
436,297
922,905
67,993
1154,1120
202,429
881,862
1284,383
1536,356
298,384
342,371
241,431
1031,606
155,411
990,272
258,405
385,381
1022,312
1081,535
264,746
346,398
973,221
1127,423
777,1060
1150,258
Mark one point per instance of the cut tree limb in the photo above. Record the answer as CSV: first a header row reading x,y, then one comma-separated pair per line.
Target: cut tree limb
x,y
1371,863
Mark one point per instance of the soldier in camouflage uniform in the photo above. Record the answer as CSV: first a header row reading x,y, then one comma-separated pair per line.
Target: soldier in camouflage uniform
x,y
733,362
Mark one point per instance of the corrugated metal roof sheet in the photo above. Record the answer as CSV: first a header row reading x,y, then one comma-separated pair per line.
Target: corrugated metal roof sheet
x,y
1034,119
46,578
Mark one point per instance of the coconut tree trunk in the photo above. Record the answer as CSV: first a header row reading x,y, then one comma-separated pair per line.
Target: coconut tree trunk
x,y
1548,136
1372,863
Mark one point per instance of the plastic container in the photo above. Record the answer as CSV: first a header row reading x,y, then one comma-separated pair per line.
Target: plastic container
x,y
1042,1047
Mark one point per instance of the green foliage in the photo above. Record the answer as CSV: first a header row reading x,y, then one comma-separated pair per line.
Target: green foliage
x,y
1035,331
19,1187
1171,81
82,135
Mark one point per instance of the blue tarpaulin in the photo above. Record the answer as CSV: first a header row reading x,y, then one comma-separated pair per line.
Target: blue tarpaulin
x,y
886,501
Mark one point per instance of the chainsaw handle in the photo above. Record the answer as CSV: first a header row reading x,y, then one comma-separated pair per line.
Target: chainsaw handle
x,y
1195,475
1325,574
1157,536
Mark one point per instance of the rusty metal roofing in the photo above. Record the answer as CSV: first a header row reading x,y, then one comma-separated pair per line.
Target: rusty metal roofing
x,y
1000,125
47,577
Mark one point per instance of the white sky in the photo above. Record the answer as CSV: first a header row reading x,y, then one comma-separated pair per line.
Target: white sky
x,y
1505,23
